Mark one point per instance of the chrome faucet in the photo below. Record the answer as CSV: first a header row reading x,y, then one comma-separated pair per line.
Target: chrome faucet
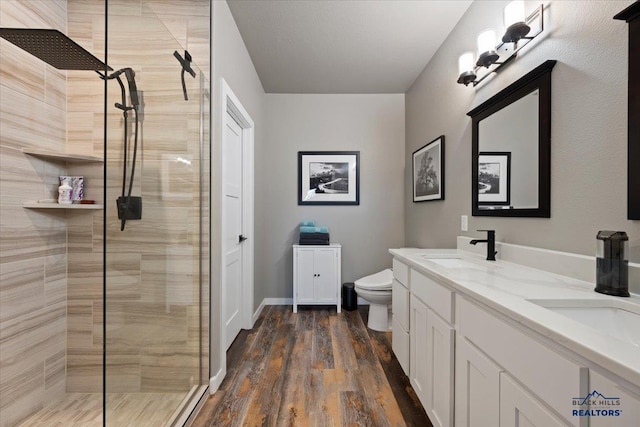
x,y
491,244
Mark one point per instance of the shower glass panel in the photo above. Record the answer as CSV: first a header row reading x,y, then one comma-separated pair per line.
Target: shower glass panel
x,y
156,211
104,321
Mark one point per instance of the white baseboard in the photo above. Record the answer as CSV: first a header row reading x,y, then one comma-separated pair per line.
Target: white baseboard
x,y
278,301
288,301
215,381
257,313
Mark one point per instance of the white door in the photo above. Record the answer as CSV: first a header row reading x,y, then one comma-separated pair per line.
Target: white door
x,y
520,409
232,190
306,275
440,364
325,271
419,347
477,387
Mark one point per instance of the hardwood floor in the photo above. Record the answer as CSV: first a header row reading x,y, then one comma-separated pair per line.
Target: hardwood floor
x,y
313,368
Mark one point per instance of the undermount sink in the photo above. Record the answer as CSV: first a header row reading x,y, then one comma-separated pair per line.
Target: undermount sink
x,y
616,318
448,261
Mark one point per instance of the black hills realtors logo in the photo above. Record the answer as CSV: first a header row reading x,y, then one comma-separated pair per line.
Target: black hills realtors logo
x,y
596,405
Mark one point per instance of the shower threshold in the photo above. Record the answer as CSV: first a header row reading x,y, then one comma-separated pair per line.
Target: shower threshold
x,y
123,409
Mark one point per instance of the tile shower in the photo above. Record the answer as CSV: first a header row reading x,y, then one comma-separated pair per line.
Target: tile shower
x,y
72,284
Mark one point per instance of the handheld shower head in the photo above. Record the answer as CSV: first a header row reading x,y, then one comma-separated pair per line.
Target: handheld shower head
x,y
133,89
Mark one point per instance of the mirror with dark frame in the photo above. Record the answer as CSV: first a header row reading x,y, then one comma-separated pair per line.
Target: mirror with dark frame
x,y
632,15
511,149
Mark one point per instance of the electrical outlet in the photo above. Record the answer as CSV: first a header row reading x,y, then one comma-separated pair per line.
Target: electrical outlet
x,y
464,223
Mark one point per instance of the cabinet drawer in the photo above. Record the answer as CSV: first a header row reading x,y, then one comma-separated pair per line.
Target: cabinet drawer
x,y
400,305
551,376
400,345
401,272
438,297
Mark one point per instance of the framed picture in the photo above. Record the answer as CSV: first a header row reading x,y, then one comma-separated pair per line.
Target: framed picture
x,y
328,178
428,171
494,178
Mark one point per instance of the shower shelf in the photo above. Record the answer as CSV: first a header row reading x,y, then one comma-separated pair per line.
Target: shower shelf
x,y
36,205
63,157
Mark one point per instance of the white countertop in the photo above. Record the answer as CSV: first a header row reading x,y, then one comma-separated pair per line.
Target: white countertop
x,y
506,287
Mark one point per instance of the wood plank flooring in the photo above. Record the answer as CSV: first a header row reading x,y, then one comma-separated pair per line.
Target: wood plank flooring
x,y
313,368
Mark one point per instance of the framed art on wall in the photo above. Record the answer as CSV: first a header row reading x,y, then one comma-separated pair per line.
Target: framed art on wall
x,y
328,178
428,171
494,178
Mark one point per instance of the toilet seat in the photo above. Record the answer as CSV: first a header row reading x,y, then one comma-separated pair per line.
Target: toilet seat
x,y
380,281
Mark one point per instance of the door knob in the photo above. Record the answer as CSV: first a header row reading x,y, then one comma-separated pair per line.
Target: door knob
x,y
241,238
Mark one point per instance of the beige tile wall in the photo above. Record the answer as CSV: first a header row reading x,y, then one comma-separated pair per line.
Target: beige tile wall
x,y
33,256
51,302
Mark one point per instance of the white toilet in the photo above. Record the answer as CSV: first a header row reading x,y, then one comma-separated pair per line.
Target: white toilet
x,y
376,289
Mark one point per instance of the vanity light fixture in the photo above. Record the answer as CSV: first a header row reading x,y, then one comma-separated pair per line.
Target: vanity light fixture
x,y
466,69
514,21
491,55
487,54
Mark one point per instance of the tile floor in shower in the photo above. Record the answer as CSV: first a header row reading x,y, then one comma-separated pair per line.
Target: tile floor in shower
x,y
123,409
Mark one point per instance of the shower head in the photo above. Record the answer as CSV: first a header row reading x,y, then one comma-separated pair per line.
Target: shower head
x,y
133,89
131,81
54,48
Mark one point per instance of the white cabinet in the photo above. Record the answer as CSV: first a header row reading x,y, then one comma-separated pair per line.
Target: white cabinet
x,y
418,344
477,387
440,364
401,321
431,362
552,378
518,408
622,406
316,275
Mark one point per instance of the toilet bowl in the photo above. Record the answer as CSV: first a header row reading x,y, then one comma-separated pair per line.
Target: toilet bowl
x,y
376,289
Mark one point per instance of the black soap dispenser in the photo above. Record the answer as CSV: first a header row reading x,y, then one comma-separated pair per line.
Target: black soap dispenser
x,y
612,265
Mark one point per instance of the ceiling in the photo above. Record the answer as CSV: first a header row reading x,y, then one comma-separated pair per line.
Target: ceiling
x,y
343,46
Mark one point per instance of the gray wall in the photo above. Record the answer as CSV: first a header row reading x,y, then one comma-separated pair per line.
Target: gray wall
x,y
588,135
231,62
372,124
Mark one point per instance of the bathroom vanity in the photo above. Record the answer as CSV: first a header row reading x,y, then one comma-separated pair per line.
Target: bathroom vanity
x,y
503,344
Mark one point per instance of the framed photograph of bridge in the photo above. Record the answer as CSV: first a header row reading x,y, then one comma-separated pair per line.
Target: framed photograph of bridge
x,y
328,177
494,178
428,171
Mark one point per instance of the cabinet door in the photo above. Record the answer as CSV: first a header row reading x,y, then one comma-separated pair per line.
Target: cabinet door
x,y
477,387
626,408
400,304
305,275
440,364
400,345
518,408
419,348
325,275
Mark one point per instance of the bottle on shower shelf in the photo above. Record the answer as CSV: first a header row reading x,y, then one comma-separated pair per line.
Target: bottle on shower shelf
x,y
64,192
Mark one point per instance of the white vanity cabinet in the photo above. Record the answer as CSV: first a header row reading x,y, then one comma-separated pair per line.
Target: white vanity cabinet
x,y
483,354
477,387
519,408
316,275
432,347
624,403
400,311
546,380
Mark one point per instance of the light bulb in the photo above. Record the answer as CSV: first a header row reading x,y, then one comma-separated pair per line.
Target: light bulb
x,y
486,41
514,13
465,62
